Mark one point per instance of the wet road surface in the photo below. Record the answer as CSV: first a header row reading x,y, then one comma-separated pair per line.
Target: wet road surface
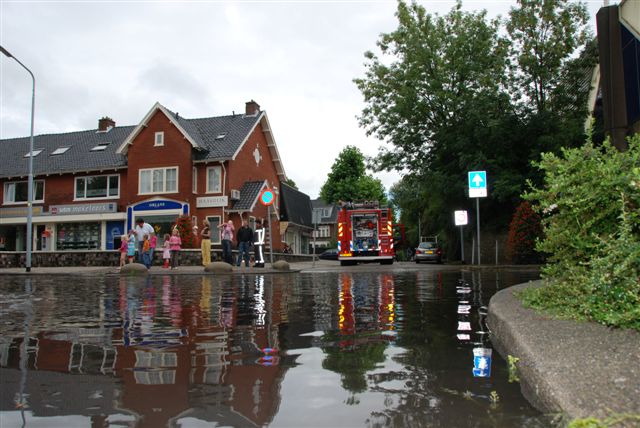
x,y
329,349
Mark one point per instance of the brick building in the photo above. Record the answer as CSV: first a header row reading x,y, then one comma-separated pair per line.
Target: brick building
x,y
91,186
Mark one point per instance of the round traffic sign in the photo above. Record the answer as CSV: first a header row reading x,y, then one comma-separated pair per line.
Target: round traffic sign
x,y
267,197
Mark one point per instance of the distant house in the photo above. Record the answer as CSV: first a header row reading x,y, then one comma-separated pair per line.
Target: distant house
x,y
91,186
327,219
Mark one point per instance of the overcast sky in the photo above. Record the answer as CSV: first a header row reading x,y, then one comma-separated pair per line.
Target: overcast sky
x,y
297,59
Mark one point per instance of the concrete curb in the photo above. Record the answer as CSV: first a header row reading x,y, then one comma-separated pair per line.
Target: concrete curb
x,y
568,367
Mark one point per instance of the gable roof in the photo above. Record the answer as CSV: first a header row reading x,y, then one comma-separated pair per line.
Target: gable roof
x,y
295,206
213,138
248,196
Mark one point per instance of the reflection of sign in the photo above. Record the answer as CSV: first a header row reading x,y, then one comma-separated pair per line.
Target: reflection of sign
x,y
109,207
267,197
477,184
19,211
481,362
461,218
212,201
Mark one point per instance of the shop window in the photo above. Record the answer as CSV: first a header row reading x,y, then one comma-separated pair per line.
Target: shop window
x,y
158,180
214,179
18,192
98,186
78,236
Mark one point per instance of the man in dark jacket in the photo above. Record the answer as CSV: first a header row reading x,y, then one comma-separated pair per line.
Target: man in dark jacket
x,y
244,237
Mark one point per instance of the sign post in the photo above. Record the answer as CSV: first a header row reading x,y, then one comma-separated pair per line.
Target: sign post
x,y
266,198
461,220
478,189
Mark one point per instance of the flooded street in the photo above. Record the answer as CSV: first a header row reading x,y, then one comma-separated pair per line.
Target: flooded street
x,y
332,349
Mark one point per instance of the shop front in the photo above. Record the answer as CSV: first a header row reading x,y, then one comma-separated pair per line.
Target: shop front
x,y
159,213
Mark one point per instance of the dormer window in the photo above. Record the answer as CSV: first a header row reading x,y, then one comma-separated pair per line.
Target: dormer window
x,y
100,147
159,140
33,153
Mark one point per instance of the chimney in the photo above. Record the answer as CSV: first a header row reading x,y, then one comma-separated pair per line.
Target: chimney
x,y
105,124
252,108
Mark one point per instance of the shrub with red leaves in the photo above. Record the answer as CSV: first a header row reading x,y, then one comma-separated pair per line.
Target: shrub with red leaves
x,y
524,230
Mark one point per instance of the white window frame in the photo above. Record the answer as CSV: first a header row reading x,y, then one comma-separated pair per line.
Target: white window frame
x,y
195,180
158,139
151,171
209,169
215,235
6,192
85,198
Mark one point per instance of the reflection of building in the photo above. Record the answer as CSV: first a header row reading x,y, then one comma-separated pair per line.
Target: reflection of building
x,y
159,353
327,220
91,185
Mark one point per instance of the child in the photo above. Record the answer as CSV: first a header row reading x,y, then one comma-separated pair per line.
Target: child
x,y
123,249
174,244
146,249
131,246
166,252
153,242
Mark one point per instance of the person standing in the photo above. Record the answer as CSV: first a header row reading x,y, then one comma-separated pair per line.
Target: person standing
x,y
205,242
174,245
244,238
131,245
146,250
123,249
227,238
166,251
142,229
153,243
258,245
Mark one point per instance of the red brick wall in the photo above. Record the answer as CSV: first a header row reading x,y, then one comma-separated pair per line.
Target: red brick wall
x,y
177,151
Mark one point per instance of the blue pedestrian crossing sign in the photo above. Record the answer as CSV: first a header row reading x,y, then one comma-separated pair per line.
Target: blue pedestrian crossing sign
x,y
477,184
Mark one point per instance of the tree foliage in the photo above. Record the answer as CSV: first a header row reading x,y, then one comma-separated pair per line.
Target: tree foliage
x,y
348,180
443,95
524,231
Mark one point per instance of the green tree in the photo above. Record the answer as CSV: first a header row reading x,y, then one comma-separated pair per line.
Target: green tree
x,y
544,35
348,180
291,183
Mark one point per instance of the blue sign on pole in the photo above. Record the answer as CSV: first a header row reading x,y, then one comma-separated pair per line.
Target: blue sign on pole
x,y
477,184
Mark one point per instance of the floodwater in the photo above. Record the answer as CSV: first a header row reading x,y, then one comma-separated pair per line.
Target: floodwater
x,y
333,349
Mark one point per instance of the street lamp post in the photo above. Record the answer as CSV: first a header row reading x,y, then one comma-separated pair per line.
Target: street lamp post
x,y
30,182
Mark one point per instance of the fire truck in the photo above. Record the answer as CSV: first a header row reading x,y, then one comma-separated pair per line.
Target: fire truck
x,y
365,233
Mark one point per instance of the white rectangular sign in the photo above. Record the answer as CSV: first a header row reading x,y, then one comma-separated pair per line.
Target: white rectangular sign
x,y
212,201
461,218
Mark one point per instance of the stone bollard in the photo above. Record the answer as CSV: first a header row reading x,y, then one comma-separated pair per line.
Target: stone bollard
x,y
281,265
218,267
134,269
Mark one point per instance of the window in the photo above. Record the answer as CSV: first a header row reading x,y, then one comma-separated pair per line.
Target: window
x,y
98,186
195,180
214,179
33,153
214,222
18,192
322,232
59,151
326,212
78,236
158,180
159,139
100,147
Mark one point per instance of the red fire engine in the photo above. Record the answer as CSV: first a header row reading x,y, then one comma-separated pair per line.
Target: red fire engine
x,y
365,233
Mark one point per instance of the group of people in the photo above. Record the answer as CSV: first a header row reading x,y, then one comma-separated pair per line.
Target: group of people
x,y
245,237
143,240
145,236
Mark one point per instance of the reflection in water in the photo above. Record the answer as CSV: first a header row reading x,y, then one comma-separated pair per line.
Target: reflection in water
x,y
254,350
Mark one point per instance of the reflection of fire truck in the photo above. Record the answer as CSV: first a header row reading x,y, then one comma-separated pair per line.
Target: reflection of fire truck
x,y
365,233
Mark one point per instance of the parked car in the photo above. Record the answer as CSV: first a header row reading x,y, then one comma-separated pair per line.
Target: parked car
x,y
428,252
330,254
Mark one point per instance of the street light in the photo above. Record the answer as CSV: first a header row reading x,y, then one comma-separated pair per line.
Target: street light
x,y
30,182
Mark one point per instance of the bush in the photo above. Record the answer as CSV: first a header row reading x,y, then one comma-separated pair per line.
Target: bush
x,y
591,217
185,229
525,229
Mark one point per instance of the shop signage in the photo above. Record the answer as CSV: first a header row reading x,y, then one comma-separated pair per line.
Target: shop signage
x,y
212,201
19,211
158,205
109,207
